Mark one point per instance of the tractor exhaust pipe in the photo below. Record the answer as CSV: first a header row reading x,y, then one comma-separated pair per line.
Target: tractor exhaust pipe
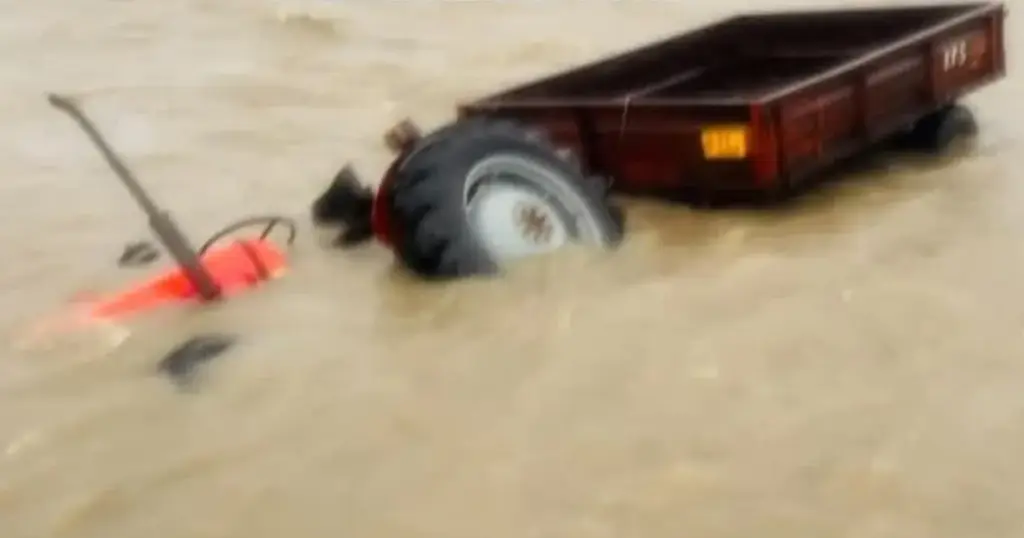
x,y
159,220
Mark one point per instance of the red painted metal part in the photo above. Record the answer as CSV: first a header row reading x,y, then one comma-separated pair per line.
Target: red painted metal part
x,y
235,267
766,161
380,215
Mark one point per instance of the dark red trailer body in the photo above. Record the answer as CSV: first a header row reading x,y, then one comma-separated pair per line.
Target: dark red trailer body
x,y
760,101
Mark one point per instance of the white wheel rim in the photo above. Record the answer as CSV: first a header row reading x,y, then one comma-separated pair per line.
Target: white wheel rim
x,y
520,208
513,222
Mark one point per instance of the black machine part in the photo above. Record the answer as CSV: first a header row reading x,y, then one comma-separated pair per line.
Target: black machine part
x,y
182,363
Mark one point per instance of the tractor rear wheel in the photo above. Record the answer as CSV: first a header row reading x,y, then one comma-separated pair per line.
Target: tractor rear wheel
x,y
478,194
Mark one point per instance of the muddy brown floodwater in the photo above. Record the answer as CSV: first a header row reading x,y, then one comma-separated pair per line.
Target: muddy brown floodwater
x,y
849,367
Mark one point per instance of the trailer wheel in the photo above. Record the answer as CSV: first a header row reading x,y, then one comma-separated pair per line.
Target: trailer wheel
x,y
938,131
480,193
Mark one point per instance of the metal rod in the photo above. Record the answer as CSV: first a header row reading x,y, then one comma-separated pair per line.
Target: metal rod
x,y
159,220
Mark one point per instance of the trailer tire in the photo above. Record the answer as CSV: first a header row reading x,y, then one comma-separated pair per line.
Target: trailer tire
x,y
938,131
456,197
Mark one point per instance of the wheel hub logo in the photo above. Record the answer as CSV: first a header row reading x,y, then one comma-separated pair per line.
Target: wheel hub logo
x,y
533,223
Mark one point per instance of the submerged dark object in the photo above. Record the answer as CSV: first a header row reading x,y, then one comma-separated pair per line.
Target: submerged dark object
x,y
138,253
348,203
181,364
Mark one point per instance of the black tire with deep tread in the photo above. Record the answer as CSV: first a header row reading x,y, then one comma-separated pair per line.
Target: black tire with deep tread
x,y
433,237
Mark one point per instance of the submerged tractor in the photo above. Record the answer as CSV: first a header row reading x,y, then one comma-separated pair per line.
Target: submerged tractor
x,y
755,104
